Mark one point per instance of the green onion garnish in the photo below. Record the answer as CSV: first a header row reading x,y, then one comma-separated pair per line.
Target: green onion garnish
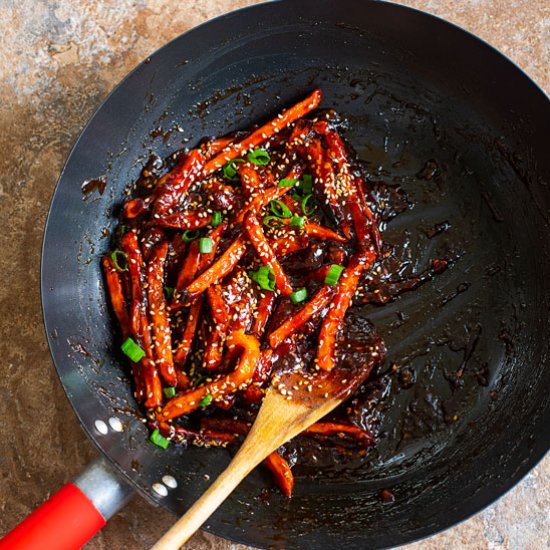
x,y
206,400
298,295
216,219
333,274
307,184
259,157
205,245
169,292
115,255
305,210
132,350
189,235
169,392
159,440
264,277
280,209
297,221
287,182
230,170
272,222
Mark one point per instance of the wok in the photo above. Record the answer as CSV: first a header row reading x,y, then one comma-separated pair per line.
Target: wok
x,y
430,107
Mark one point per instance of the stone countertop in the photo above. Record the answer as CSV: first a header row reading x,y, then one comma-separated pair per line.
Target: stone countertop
x,y
58,61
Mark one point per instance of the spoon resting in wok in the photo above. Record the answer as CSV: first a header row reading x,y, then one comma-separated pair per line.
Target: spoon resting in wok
x,y
294,401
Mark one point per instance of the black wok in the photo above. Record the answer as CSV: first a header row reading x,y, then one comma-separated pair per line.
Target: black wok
x,y
414,89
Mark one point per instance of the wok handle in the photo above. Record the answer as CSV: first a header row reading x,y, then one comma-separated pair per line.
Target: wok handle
x,y
73,515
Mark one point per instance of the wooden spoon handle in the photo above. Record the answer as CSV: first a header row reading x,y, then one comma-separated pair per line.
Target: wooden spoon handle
x,y
249,456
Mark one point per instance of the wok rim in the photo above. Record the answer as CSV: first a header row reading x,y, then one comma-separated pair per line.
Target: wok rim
x,y
491,495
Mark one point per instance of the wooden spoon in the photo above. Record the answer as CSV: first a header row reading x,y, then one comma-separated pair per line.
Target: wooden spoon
x,y
292,403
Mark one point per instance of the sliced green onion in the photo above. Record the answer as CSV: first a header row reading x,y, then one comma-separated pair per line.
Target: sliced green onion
x,y
159,440
307,184
115,255
216,219
298,295
264,277
169,292
303,204
333,274
206,400
189,235
169,392
259,157
230,170
280,209
272,222
287,182
297,221
132,350
205,245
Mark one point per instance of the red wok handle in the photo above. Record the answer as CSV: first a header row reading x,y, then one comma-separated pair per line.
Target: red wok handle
x,y
73,515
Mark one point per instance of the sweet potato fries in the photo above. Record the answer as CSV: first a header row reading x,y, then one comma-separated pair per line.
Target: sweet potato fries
x,y
247,251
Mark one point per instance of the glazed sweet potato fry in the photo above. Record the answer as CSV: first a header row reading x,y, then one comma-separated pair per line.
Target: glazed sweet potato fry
x,y
323,233
172,188
263,313
251,179
116,295
259,201
335,428
160,324
320,301
188,334
219,311
136,207
287,245
364,228
260,135
196,262
228,384
337,151
202,437
282,474
347,286
317,231
230,425
153,385
218,308
214,146
266,254
255,392
189,219
188,270
224,265
139,322
207,258
365,210
241,312
213,353
219,194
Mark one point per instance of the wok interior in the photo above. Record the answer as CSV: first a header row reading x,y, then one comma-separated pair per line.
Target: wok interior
x,y
410,96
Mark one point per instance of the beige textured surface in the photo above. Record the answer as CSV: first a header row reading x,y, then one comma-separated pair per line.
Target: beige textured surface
x,y
58,60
